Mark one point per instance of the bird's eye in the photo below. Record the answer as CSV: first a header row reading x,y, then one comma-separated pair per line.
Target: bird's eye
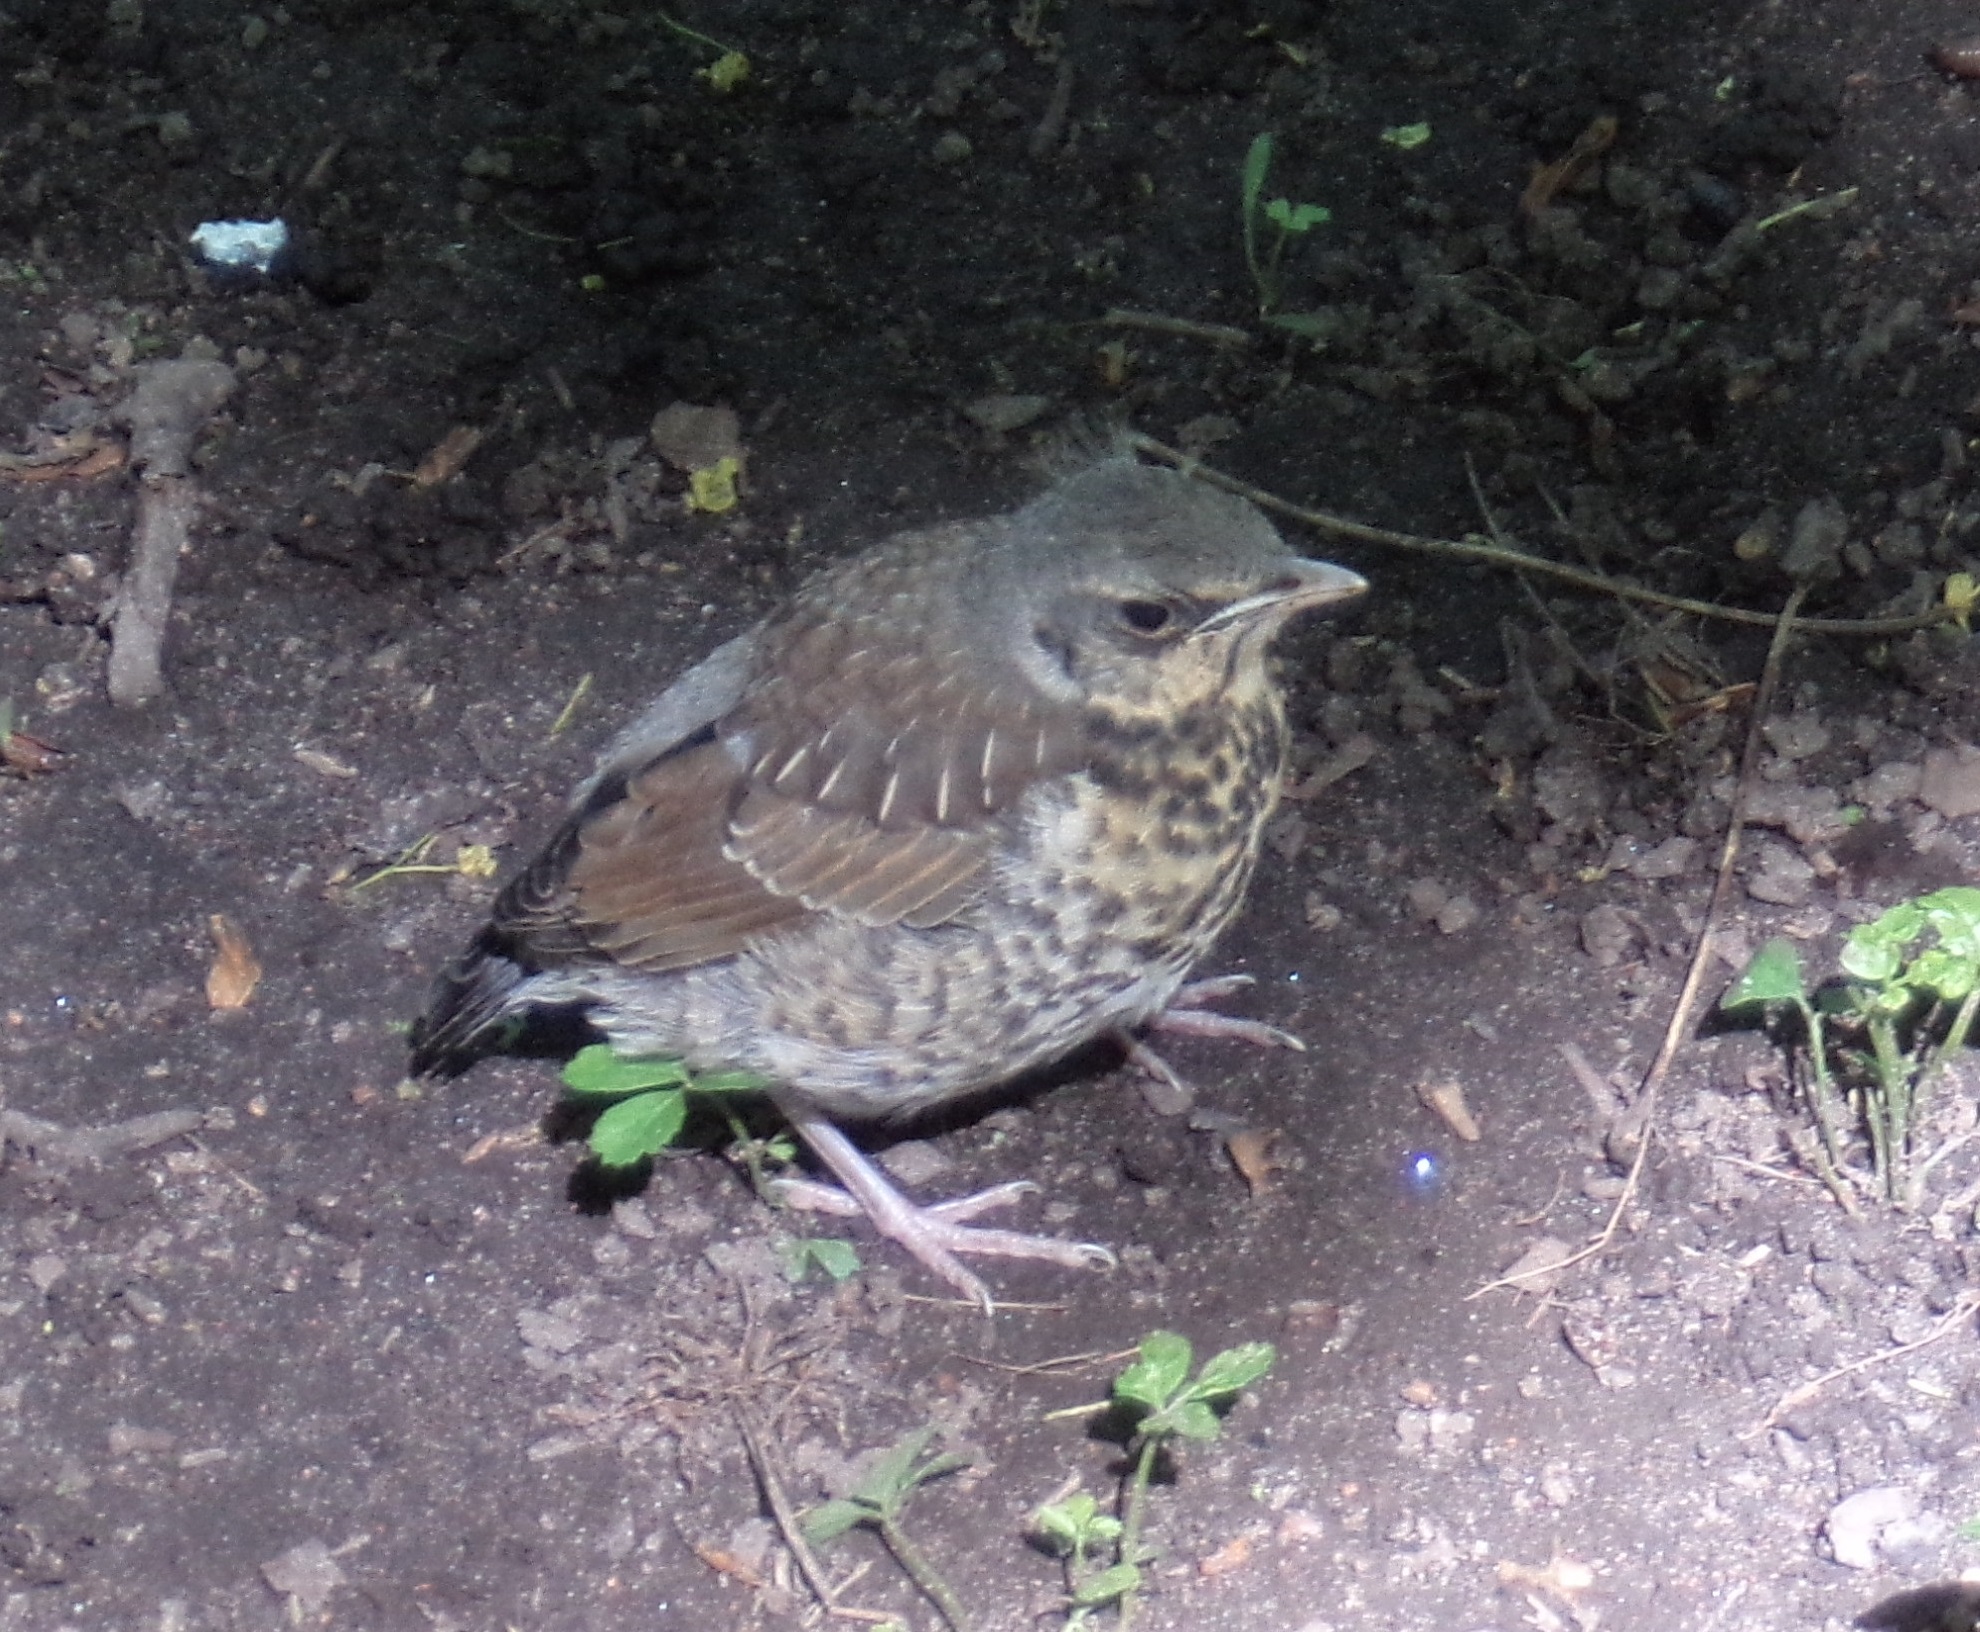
x,y
1146,617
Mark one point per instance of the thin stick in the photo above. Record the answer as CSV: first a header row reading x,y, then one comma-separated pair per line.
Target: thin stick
x,y
1218,334
1961,1311
51,1141
1520,561
782,1512
1643,1108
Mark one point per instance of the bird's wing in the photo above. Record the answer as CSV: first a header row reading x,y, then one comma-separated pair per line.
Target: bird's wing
x,y
852,760
879,764
874,792
640,875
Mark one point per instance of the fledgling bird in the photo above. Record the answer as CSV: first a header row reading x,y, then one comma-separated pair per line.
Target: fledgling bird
x,y
972,799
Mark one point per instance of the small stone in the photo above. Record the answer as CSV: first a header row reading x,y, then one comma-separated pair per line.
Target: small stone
x,y
952,147
175,133
489,164
306,1573
1321,914
542,1330
1457,915
1782,877
1607,934
1950,783
1568,788
1426,897
1808,815
630,1216
1815,544
999,414
1797,736
916,1162
1856,1522
1671,859
1887,785
1660,288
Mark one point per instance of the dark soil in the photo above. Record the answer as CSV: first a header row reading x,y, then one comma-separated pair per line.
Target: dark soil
x,y
371,1355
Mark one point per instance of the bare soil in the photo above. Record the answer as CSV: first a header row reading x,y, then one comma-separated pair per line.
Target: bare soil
x,y
361,1354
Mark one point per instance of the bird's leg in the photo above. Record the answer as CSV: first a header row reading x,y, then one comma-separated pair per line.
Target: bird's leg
x,y
1188,1015
934,1234
1168,1092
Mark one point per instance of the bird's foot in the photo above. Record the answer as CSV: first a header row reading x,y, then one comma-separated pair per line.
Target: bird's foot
x,y
935,1234
1166,1089
810,1196
1188,1015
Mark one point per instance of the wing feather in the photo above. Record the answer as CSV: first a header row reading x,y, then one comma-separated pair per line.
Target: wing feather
x,y
863,766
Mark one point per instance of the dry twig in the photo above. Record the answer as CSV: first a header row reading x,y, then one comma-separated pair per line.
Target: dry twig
x,y
1643,1108
1474,549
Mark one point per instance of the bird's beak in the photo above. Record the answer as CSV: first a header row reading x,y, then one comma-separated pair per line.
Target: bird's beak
x,y
1304,586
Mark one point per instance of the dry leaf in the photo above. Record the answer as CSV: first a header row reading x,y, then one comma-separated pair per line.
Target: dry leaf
x,y
1233,1555
1562,1577
1251,1155
1446,1098
28,755
323,764
80,457
726,1563
449,456
1549,180
235,972
504,1139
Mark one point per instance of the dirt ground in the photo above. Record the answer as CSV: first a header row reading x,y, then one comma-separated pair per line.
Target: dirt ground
x,y
345,1351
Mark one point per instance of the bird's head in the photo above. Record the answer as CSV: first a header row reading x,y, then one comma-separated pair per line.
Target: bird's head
x,y
1142,589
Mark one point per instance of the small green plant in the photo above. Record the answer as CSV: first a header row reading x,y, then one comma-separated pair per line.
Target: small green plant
x,y
1158,1401
730,67
877,1502
1879,1039
1285,221
837,1260
650,1099
1075,1530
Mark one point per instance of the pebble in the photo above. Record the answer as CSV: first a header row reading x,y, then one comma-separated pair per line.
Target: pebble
x,y
1887,785
1607,934
1950,782
1816,540
1782,879
1856,1522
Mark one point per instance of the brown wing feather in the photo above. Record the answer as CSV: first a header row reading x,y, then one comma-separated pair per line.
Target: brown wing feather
x,y
845,863
863,772
651,886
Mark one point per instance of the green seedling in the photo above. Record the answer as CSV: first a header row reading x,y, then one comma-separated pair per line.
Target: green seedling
x,y
730,67
470,861
1286,221
837,1260
1157,1402
1075,1531
1910,990
649,1099
877,1503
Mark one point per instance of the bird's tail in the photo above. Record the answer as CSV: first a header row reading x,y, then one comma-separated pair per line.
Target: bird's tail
x,y
471,1000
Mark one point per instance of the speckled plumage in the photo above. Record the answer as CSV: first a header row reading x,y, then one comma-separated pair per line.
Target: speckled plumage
x,y
973,798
